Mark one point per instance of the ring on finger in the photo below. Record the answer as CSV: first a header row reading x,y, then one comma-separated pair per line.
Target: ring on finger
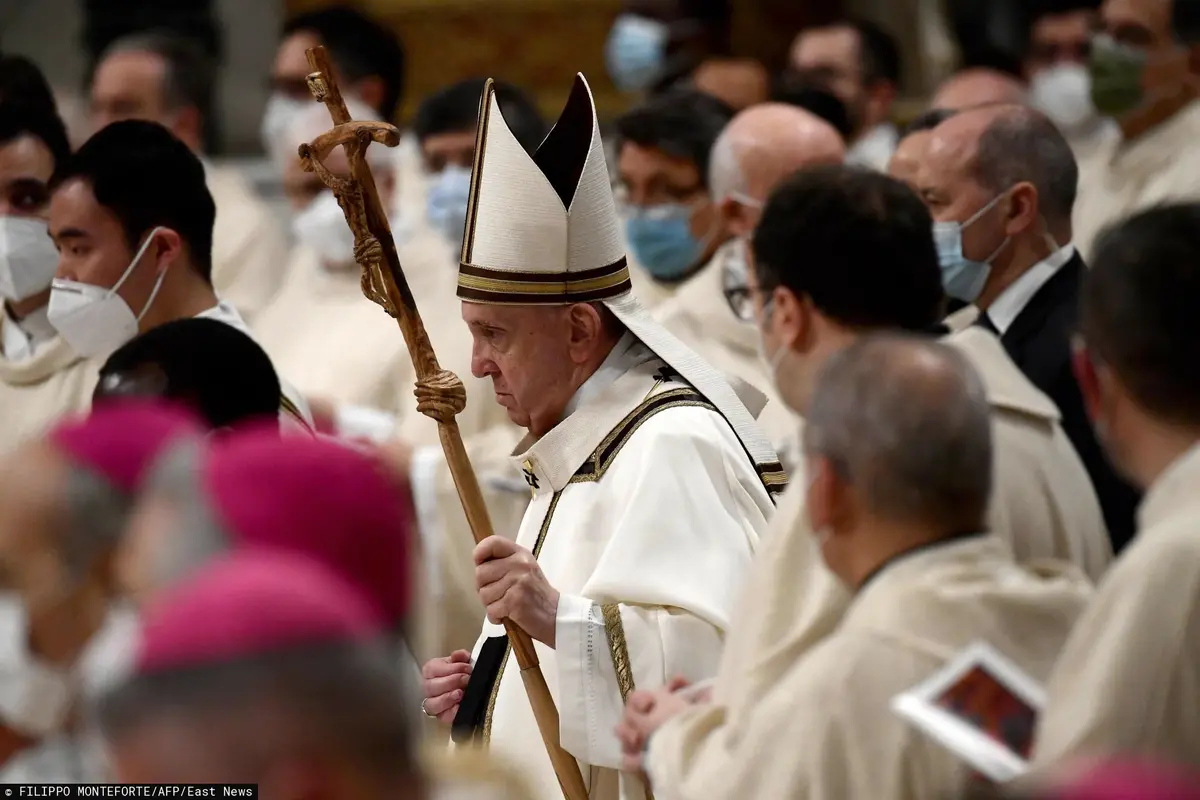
x,y
425,711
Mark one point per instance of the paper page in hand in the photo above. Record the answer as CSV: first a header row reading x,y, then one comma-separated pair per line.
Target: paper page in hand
x,y
981,707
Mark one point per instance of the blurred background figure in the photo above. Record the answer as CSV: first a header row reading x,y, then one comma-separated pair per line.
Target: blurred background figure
x,y
1144,78
370,61
444,127
860,63
299,696
978,86
672,228
212,368
818,102
64,500
1056,66
340,348
162,77
656,43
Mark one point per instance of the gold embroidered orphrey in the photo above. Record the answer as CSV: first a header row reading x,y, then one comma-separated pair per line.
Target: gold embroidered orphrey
x,y
440,394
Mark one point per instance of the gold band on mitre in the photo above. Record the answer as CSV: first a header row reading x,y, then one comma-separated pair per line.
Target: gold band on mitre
x,y
506,287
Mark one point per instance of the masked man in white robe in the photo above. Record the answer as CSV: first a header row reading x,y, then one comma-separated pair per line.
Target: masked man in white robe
x,y
64,502
838,253
35,382
164,78
897,452
650,481
1127,680
712,312
133,253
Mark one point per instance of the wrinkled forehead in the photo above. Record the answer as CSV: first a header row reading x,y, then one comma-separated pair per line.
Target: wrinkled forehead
x,y
528,319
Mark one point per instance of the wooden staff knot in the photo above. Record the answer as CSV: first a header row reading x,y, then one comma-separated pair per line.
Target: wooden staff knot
x,y
441,396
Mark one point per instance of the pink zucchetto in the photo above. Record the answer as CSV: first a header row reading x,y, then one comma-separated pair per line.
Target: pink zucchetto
x,y
252,603
336,504
1130,780
121,440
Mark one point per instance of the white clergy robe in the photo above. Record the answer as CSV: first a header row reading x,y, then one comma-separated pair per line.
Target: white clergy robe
x,y
700,316
249,246
645,515
830,710
1042,505
56,381
1122,178
37,388
1128,681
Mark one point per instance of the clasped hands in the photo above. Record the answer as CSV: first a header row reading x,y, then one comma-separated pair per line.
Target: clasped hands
x,y
647,711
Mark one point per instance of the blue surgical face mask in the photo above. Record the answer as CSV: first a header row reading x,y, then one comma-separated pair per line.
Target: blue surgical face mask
x,y
661,240
636,52
446,202
962,278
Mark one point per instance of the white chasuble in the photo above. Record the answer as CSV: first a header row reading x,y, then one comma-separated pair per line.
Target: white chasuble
x,y
645,515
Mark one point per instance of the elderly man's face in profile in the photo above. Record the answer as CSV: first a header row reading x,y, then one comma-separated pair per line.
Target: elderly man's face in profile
x,y
531,354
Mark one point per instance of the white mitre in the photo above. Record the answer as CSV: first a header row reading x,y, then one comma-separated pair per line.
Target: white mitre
x,y
543,229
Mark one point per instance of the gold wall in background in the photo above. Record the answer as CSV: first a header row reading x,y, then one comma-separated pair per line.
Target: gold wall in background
x,y
536,44
540,44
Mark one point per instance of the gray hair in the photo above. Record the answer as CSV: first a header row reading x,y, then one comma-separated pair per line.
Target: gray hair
x,y
96,514
1023,145
906,421
200,537
189,77
725,174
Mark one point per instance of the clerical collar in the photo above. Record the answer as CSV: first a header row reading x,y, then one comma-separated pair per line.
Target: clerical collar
x,y
627,353
921,548
22,337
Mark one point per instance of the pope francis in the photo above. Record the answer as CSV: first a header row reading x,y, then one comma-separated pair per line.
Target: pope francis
x,y
650,481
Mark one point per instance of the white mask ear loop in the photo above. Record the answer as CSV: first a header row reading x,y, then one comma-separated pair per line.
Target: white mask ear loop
x,y
133,265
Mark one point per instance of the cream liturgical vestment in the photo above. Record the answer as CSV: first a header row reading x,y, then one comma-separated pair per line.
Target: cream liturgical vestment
x,y
832,707
250,249
1128,681
56,381
38,389
1122,178
648,497
1043,507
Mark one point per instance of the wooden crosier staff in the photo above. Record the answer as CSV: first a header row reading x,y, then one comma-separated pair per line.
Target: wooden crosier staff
x,y
440,394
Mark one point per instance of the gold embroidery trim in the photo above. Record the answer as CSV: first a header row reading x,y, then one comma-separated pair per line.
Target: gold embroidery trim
x,y
486,736
564,287
618,648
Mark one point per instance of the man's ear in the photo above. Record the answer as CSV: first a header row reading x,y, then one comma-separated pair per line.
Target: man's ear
x,y
827,499
189,127
585,330
1087,375
166,249
1024,209
792,318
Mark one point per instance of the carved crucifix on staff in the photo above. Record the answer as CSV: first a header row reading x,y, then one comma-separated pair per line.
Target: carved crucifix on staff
x,y
440,393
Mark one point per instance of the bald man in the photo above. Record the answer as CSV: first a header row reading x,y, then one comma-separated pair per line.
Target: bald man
x,y
759,148
978,86
906,534
1000,184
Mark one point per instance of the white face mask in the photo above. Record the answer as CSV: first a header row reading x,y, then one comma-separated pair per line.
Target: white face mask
x,y
322,227
277,119
1064,94
95,320
27,257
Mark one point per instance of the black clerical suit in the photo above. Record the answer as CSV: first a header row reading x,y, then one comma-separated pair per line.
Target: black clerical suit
x,y
1039,341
